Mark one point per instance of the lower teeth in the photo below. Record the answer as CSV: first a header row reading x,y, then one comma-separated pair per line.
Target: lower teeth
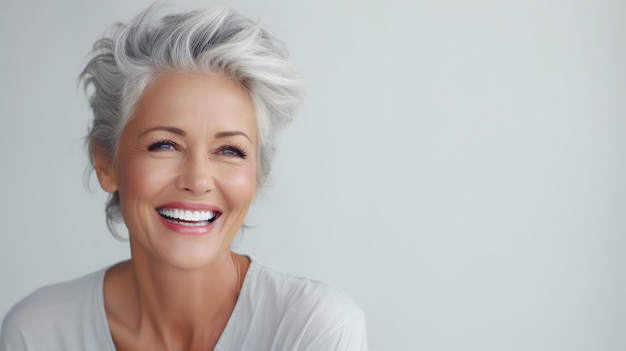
x,y
189,224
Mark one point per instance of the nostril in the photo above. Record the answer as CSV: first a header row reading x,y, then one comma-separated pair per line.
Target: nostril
x,y
195,177
196,185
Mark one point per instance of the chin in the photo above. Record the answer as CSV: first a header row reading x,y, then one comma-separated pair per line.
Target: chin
x,y
182,252
193,262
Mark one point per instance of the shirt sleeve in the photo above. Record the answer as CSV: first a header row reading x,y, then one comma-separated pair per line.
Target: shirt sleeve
x,y
351,336
58,317
11,338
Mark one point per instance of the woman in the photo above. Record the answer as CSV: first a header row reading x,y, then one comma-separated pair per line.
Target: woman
x,y
185,111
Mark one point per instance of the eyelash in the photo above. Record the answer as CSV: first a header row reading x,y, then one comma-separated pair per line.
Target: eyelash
x,y
238,150
158,145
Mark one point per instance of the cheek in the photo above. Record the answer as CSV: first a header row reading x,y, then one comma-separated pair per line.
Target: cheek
x,y
142,178
240,185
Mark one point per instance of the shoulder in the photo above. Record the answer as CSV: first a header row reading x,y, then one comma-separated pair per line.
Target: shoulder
x,y
302,293
312,312
52,298
51,311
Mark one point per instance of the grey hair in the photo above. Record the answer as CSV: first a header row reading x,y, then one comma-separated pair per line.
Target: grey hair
x,y
213,41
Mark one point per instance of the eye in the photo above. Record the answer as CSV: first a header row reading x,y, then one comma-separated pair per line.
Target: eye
x,y
162,145
232,150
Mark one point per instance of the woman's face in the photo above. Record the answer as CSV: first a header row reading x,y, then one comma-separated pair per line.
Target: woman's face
x,y
185,169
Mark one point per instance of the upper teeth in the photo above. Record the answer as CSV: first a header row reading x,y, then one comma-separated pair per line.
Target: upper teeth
x,y
187,215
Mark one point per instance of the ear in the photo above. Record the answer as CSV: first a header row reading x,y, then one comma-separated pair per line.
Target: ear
x,y
104,170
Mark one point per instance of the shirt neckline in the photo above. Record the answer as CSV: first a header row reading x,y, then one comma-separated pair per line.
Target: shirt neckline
x,y
221,342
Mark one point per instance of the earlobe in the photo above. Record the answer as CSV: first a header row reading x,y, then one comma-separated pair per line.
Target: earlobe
x,y
104,170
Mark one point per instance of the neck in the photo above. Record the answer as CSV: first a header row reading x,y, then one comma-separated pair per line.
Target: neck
x,y
181,307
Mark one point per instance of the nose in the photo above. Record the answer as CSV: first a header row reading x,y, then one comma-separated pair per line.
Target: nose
x,y
196,175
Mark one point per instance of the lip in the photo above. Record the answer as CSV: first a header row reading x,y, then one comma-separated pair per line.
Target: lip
x,y
188,230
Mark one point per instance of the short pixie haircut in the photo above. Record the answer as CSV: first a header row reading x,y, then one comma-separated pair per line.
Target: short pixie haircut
x,y
215,42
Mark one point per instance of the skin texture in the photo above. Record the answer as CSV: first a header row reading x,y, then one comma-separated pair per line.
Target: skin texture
x,y
191,142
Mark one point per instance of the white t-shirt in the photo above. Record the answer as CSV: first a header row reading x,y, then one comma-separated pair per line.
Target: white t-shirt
x,y
275,311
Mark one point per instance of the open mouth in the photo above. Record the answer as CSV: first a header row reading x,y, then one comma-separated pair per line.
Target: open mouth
x,y
188,217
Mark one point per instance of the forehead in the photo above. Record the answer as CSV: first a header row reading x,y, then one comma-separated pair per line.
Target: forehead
x,y
201,100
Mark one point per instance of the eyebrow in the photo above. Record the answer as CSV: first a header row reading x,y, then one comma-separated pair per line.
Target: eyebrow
x,y
231,133
172,130
181,132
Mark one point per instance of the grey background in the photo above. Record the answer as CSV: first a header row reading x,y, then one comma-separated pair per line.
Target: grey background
x,y
458,167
